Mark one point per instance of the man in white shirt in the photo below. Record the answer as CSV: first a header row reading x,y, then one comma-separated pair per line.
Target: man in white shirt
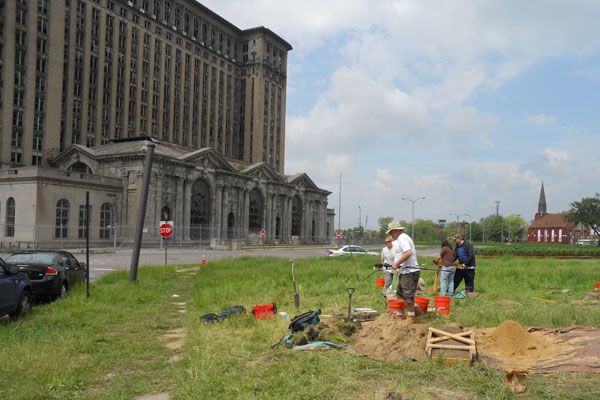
x,y
405,261
387,259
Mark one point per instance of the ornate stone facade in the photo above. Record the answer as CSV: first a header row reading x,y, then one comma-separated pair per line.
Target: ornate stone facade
x,y
209,198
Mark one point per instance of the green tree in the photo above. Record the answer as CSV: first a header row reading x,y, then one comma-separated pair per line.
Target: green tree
x,y
493,228
383,224
586,211
513,227
424,230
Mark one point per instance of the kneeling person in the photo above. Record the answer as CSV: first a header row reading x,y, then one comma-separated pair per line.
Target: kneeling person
x,y
405,261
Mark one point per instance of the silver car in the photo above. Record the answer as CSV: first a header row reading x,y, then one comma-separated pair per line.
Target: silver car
x,y
351,250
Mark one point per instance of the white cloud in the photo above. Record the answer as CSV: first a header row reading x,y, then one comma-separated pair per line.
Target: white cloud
x,y
540,119
405,82
356,113
555,156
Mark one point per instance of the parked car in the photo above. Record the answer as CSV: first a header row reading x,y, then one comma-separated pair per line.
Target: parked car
x,y
52,273
585,242
351,249
15,291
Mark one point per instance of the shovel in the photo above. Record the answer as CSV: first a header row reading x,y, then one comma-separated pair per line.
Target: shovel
x,y
350,291
296,295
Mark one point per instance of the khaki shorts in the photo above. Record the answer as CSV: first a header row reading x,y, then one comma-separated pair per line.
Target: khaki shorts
x,y
407,287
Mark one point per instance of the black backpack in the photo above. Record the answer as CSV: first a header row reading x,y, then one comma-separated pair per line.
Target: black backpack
x,y
302,321
232,311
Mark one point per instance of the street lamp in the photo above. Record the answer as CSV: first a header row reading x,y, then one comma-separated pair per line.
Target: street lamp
x,y
470,224
457,220
412,232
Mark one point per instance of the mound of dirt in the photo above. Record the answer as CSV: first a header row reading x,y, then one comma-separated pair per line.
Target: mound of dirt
x,y
390,339
510,346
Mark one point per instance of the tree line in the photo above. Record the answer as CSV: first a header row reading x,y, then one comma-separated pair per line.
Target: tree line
x,y
493,228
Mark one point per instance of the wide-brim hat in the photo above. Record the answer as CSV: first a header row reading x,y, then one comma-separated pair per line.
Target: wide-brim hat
x,y
394,226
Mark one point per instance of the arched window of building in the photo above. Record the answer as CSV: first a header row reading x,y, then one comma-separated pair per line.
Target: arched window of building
x,y
10,218
200,210
255,211
296,216
61,226
314,230
106,217
165,214
80,167
278,228
230,225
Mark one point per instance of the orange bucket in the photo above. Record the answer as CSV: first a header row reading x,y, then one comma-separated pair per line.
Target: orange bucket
x,y
395,306
379,283
422,303
264,311
442,304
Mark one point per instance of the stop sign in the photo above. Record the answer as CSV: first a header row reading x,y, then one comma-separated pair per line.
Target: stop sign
x,y
165,230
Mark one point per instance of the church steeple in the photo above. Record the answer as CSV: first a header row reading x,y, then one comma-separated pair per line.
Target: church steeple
x,y
542,202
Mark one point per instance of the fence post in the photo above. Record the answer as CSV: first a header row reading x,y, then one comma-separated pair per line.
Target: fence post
x,y
115,238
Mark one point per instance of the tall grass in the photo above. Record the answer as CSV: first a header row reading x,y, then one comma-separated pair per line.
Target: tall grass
x,y
232,359
102,347
109,347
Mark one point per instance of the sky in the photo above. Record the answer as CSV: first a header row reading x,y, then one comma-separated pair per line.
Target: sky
x,y
465,103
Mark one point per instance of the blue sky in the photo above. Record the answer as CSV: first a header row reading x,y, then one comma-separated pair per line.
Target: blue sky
x,y
463,102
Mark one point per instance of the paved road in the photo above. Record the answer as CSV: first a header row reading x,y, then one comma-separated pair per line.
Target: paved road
x,y
103,263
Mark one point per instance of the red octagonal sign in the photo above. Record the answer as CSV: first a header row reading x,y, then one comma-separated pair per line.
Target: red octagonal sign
x,y
166,230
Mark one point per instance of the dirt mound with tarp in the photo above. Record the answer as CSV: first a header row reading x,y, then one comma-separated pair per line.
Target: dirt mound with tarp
x,y
391,339
510,346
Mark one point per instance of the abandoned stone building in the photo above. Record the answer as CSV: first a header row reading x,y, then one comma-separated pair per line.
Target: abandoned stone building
x,y
86,84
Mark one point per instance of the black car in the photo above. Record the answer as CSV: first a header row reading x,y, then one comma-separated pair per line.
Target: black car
x,y
52,273
15,291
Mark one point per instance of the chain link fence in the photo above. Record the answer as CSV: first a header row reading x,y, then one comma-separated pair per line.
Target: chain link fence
x,y
22,236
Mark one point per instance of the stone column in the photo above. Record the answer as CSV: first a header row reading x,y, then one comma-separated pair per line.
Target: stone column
x,y
158,198
224,212
178,212
246,220
267,214
288,218
216,215
187,209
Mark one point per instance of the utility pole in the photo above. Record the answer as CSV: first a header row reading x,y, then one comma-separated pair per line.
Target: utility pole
x,y
359,216
139,229
457,221
497,207
340,205
470,225
412,232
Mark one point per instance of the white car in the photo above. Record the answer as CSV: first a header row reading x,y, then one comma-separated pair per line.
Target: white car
x,y
351,250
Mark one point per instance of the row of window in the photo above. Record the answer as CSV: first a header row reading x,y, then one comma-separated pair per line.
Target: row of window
x,y
61,224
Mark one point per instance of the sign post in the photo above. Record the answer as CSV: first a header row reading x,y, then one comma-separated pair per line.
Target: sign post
x,y
166,231
338,236
262,235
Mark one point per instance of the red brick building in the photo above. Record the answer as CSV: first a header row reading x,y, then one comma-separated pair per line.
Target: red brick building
x,y
549,228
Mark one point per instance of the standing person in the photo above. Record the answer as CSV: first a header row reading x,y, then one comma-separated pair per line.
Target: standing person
x,y
405,261
465,254
447,270
387,259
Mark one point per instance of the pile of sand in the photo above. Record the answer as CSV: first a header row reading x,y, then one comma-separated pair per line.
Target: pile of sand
x,y
510,346
390,339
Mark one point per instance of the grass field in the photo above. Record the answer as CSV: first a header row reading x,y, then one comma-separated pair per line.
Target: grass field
x,y
114,344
